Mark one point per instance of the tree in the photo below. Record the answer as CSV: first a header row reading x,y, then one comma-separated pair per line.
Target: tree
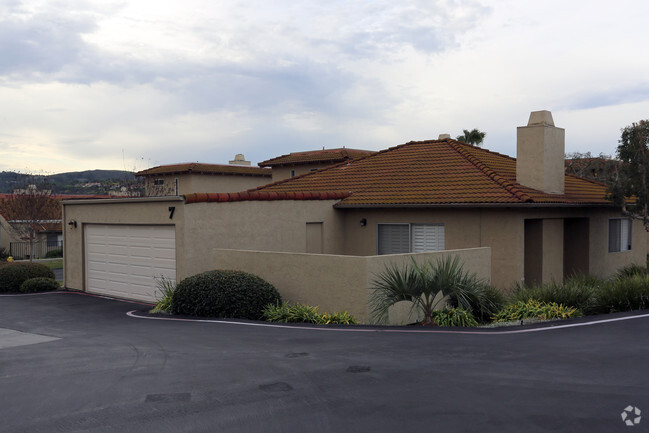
x,y
426,287
474,137
26,210
629,190
601,168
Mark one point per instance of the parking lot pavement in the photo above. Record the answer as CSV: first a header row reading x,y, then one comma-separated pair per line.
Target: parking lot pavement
x,y
101,370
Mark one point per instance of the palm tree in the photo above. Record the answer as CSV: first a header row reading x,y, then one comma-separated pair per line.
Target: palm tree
x,y
426,287
474,137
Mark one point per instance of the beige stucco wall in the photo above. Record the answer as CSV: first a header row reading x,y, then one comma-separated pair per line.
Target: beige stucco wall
x,y
128,211
502,229
190,183
335,282
280,173
257,225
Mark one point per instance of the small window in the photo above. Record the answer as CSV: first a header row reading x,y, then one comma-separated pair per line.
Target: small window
x,y
314,169
158,182
292,173
410,238
619,235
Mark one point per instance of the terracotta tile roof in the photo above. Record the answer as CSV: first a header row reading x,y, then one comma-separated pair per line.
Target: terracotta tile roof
x,y
435,172
328,156
216,169
262,196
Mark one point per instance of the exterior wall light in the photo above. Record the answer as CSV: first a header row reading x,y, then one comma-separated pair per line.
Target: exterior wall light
x,y
363,222
73,224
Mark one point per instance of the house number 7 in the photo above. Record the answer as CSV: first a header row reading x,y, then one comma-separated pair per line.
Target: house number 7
x,y
172,209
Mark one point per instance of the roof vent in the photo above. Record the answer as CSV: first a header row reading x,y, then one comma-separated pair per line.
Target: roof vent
x,y
444,136
239,159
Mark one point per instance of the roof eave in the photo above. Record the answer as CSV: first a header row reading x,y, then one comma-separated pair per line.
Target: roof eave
x,y
342,205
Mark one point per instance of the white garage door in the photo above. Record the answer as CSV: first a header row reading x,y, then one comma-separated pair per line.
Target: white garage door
x,y
123,260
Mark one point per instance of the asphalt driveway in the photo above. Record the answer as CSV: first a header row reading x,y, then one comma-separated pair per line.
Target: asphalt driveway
x,y
76,363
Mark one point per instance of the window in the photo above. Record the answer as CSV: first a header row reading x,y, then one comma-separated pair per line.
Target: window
x,y
410,238
292,173
619,235
158,182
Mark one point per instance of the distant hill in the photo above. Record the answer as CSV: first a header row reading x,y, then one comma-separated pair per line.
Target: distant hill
x,y
78,182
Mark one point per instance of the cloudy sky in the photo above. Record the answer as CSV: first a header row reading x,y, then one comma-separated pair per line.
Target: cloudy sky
x,y
88,84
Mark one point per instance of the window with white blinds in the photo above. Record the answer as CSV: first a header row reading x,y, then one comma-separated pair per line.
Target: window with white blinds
x,y
410,238
427,237
619,235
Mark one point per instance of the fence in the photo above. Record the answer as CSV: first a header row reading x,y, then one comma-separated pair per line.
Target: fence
x,y
335,283
19,250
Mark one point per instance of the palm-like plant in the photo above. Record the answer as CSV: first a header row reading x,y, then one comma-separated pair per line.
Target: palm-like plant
x,y
426,287
474,137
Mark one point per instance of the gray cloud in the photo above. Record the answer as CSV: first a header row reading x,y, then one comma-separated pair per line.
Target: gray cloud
x,y
637,92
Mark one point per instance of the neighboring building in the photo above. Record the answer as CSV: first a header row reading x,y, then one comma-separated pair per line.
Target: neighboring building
x,y
298,163
539,223
179,179
49,233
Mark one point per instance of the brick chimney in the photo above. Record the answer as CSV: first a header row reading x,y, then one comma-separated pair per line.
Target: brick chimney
x,y
540,153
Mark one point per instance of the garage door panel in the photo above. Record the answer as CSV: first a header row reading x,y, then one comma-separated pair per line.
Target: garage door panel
x,y
124,260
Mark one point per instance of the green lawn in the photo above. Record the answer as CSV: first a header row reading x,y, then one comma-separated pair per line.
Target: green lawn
x,y
53,264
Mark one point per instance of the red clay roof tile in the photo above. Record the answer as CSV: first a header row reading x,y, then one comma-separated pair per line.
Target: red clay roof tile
x,y
434,172
328,156
195,167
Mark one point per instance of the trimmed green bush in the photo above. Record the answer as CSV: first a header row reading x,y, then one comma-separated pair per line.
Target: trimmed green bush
x,y
534,308
623,294
12,275
54,254
454,317
299,313
39,284
222,293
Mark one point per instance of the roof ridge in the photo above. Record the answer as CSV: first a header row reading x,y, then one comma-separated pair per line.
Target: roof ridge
x,y
263,196
490,173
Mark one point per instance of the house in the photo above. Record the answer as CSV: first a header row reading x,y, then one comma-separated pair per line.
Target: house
x,y
526,219
47,229
179,179
297,163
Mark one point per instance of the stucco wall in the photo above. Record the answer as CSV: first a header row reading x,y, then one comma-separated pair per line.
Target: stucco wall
x,y
335,282
502,229
258,225
281,173
130,211
190,183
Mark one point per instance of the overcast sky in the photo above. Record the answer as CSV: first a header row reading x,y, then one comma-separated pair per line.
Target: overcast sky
x,y
136,83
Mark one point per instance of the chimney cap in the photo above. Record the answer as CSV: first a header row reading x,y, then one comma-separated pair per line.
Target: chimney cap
x,y
444,136
543,117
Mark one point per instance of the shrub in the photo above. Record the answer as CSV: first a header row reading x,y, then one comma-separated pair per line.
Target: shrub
x,y
623,294
425,286
222,293
632,270
12,275
454,317
577,291
164,294
482,306
299,313
39,284
534,308
3,255
54,254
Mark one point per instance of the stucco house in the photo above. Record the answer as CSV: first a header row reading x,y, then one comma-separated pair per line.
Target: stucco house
x,y
298,163
179,179
523,217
